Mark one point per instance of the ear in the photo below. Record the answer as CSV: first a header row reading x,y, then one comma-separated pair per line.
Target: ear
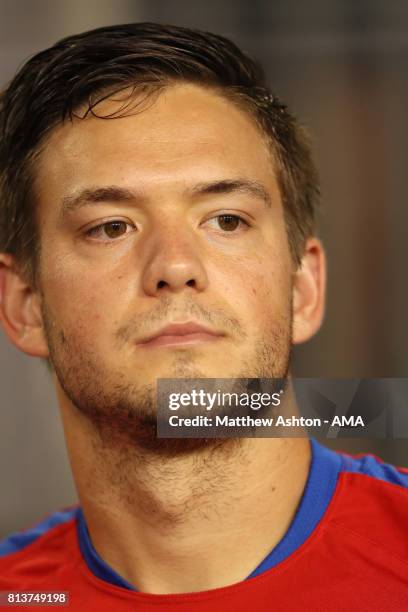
x,y
20,312
309,292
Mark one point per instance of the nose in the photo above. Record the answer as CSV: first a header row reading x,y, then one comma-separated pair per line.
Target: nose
x,y
174,264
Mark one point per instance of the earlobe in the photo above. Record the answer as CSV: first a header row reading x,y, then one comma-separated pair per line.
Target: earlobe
x,y
309,292
20,312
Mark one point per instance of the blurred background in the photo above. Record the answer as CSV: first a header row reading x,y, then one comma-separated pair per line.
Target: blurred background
x,y
342,67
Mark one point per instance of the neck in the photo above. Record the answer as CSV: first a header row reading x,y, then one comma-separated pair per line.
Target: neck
x,y
186,523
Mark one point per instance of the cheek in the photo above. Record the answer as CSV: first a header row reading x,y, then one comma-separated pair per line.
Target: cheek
x,y
257,286
88,282
271,301
83,304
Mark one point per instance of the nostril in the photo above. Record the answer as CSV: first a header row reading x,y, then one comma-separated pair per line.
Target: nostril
x,y
162,283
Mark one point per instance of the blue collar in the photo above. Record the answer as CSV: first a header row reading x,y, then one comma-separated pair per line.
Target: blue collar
x,y
320,485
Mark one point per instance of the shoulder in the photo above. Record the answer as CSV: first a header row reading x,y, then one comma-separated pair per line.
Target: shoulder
x,y
375,469
371,503
47,544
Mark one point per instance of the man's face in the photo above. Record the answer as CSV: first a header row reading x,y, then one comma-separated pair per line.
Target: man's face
x,y
156,239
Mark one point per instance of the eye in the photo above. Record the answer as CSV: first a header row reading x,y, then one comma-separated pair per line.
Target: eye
x,y
229,223
110,230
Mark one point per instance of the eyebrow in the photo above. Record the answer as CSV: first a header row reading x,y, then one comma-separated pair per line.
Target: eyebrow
x,y
115,193
245,186
95,195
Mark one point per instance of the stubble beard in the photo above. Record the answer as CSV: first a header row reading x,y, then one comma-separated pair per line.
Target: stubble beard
x,y
122,413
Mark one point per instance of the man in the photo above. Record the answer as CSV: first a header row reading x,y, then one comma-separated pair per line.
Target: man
x,y
158,221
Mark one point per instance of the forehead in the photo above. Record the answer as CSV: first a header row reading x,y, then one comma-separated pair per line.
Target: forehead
x,y
187,133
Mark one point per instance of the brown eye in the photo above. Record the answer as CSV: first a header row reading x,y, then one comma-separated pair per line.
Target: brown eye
x,y
110,230
228,223
114,229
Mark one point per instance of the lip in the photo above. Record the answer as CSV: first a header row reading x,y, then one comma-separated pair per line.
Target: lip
x,y
181,334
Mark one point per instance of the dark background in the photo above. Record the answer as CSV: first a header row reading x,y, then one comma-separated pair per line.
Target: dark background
x,y
341,66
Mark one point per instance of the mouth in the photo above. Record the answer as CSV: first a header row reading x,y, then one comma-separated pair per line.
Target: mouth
x,y
180,335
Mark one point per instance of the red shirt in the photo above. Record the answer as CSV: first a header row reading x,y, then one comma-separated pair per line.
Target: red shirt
x,y
345,551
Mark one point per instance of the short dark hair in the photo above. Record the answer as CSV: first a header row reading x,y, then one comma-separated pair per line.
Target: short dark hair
x,y
81,70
